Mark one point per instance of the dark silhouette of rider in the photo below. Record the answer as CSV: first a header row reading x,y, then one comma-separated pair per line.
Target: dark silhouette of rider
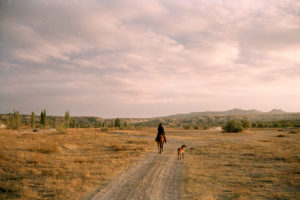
x,y
160,131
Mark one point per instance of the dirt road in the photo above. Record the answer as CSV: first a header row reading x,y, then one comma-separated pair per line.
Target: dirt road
x,y
158,176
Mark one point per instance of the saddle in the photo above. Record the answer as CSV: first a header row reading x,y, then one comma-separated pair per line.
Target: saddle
x,y
157,138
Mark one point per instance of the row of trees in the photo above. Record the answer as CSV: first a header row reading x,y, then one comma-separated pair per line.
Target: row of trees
x,y
14,121
43,120
239,125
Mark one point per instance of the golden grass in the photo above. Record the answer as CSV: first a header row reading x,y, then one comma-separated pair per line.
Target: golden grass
x,y
251,168
51,165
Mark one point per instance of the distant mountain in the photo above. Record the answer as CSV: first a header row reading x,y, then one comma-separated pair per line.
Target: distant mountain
x,y
232,112
277,111
237,111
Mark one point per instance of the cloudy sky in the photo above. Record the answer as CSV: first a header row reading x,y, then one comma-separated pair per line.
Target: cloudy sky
x,y
149,58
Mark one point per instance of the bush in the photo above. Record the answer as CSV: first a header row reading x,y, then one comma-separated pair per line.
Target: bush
x,y
245,123
104,129
205,127
14,121
60,128
233,126
187,126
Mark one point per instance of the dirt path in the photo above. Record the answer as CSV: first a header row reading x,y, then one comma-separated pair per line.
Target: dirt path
x,y
158,176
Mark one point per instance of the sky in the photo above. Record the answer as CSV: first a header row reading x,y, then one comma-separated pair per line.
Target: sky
x,y
147,58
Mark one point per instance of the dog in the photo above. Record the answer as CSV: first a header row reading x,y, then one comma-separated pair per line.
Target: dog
x,y
180,152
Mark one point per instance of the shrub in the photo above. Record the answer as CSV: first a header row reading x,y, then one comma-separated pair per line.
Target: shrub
x,y
104,129
205,126
233,126
60,128
245,123
14,121
187,126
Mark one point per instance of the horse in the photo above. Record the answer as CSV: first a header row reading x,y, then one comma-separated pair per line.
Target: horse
x,y
160,143
180,152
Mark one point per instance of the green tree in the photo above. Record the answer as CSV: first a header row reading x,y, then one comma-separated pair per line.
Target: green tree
x,y
118,123
233,126
67,118
43,118
32,120
15,121
73,123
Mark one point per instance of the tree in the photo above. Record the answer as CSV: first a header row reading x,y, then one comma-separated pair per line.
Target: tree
x,y
43,118
118,123
73,124
14,121
32,120
67,118
233,126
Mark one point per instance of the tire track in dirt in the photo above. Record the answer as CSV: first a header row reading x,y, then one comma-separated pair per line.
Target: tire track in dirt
x,y
157,176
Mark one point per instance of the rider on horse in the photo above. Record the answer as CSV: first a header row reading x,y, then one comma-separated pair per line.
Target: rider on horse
x,y
160,131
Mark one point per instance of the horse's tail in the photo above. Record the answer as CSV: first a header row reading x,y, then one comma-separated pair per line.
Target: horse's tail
x,y
162,139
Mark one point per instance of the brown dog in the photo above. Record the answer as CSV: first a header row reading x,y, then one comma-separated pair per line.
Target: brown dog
x,y
180,152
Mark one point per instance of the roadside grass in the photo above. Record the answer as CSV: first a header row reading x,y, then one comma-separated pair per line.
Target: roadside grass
x,y
52,165
262,168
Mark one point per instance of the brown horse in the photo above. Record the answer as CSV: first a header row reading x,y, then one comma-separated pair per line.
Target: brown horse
x,y
160,143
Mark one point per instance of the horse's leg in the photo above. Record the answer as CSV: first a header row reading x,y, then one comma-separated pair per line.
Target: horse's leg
x,y
158,147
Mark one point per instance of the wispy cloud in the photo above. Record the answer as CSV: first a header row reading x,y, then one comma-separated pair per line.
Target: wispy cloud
x,y
147,58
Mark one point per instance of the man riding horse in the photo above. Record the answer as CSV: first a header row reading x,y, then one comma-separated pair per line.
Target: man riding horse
x,y
160,131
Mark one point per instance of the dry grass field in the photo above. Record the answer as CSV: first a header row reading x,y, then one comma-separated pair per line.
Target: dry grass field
x,y
256,164
71,165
